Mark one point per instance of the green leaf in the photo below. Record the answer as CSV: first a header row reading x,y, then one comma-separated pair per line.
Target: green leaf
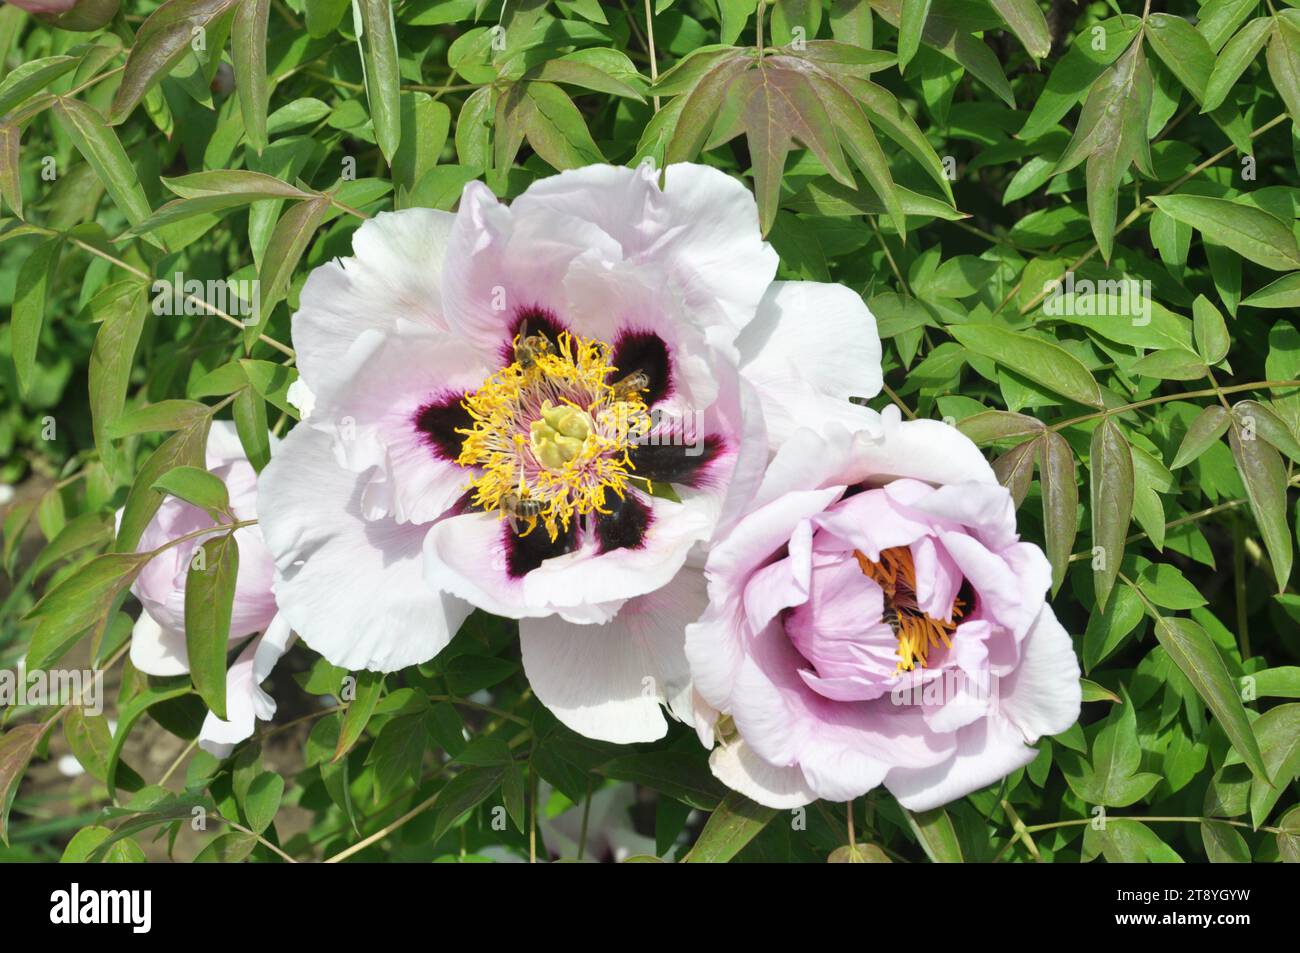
x,y
1278,732
209,600
1074,73
1110,464
1182,49
369,687
1108,627
1040,361
160,44
397,753
1223,845
670,773
1268,425
166,415
288,242
17,745
80,602
1027,23
1015,470
232,847
1233,59
248,49
111,360
1194,652
34,278
1111,135
1283,57
992,425
31,77
100,147
1210,424
556,130
462,794
938,838
735,822
249,412
263,800
1212,338
1265,479
1060,503
910,23
197,486
1282,293
1249,231
378,38
183,448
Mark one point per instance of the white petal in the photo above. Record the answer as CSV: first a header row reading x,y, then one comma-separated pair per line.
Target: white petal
x,y
702,228
928,450
608,681
811,347
353,589
371,410
499,263
395,273
158,651
1042,696
737,766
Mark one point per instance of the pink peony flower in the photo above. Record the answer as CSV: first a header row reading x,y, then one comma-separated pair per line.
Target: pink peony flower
x,y
158,640
875,619
541,410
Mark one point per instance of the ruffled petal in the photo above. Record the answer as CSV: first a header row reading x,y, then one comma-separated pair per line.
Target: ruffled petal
x,y
156,650
609,681
394,274
987,750
736,766
701,231
811,347
352,588
1042,696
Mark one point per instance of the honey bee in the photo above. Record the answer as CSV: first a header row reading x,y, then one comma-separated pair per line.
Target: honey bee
x,y
530,347
631,385
890,615
518,508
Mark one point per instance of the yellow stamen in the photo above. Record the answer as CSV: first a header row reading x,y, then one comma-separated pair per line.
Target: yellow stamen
x,y
917,632
553,436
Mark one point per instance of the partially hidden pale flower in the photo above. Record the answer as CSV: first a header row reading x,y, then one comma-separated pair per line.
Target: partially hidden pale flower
x,y
875,619
44,6
543,410
158,640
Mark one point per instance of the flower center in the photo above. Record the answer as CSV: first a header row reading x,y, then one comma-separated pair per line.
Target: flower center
x,y
917,632
551,432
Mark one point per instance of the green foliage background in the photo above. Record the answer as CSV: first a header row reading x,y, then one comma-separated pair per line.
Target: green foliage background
x,y
948,159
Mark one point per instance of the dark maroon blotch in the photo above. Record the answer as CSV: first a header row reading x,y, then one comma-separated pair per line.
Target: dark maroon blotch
x,y
625,525
644,351
526,553
438,421
676,463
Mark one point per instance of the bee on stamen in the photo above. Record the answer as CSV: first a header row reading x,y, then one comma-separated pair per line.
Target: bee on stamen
x,y
516,508
890,615
631,385
529,347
